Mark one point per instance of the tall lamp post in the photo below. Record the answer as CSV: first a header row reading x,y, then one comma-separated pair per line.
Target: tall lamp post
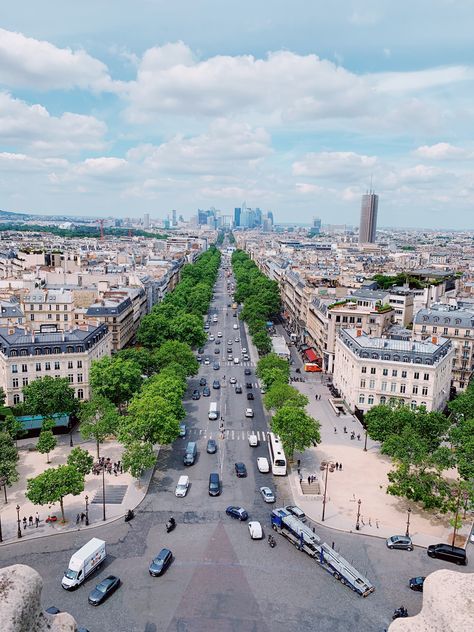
x,y
3,483
358,515
407,532
87,510
1,534
365,441
103,492
327,466
18,532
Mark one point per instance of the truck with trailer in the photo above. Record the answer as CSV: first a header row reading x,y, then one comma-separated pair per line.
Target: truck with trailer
x,y
84,562
306,540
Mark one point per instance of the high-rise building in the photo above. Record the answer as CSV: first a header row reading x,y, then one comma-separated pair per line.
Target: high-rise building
x,y
258,217
315,229
173,215
237,212
270,217
368,218
202,217
146,221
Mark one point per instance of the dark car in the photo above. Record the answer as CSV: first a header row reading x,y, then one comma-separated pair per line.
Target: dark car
x,y
216,366
53,610
196,394
238,390
229,349
237,512
234,314
161,562
217,350
206,391
240,470
211,446
103,590
218,342
416,583
202,381
250,396
448,553
216,384
228,304
247,372
248,385
201,350
199,358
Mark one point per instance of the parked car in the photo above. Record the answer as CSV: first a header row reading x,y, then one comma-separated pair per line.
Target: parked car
x,y
236,339
237,512
236,360
214,488
245,357
199,358
160,563
206,391
263,464
202,381
211,446
235,325
238,390
211,338
253,440
247,372
448,553
240,470
201,350
219,334
267,494
218,342
248,385
416,583
196,394
103,590
217,350
250,396
296,511
255,530
216,384
400,542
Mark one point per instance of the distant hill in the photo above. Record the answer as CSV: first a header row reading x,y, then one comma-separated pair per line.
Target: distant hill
x,y
11,215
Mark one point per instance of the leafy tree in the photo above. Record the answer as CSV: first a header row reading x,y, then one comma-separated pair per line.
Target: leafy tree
x,y
99,419
53,485
281,394
11,425
145,358
46,443
138,457
8,459
115,378
150,419
262,341
3,397
296,429
176,352
189,329
463,406
80,460
273,361
154,330
48,396
462,440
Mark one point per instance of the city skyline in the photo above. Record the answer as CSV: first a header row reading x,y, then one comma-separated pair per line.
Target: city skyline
x,y
97,121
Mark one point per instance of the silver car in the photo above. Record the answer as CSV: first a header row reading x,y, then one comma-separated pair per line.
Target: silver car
x,y
267,494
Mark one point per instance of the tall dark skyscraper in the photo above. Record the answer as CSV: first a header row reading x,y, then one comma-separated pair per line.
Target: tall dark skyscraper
x,y
368,218
237,212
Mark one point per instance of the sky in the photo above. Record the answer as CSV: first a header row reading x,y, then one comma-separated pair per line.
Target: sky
x,y
125,107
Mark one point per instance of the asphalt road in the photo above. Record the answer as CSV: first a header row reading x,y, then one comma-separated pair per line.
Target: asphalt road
x,y
220,579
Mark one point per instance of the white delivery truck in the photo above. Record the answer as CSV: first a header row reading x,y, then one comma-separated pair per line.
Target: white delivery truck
x,y
83,563
213,414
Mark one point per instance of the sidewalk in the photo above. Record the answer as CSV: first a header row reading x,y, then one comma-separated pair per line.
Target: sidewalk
x,y
122,491
363,476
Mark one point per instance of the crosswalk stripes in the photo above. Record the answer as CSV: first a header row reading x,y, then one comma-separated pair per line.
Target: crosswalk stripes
x,y
233,435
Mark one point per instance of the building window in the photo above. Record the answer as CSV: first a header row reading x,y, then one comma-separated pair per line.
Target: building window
x,y
363,369
445,331
426,376
372,370
15,382
70,377
50,317
70,364
80,394
385,372
435,330
456,332
362,383
14,368
424,391
57,308
416,375
24,368
38,366
361,398
25,381
423,329
384,386
393,387
56,366
403,388
79,377
370,399
32,316
415,390
16,399
383,399
413,405
47,366
13,353
404,373
79,364
394,373
58,317
57,350
372,384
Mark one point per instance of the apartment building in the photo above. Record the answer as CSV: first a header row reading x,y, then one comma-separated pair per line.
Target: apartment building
x,y
10,313
26,356
45,306
454,323
401,299
373,370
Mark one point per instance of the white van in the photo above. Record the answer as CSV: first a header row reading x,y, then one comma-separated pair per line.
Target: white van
x,y
182,486
213,414
84,562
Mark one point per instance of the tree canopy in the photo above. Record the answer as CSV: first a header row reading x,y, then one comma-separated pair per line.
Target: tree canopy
x,y
281,394
48,396
53,485
115,378
99,418
296,429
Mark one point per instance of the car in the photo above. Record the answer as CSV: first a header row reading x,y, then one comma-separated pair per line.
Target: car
x,y
214,488
206,391
228,304
240,470
52,610
236,360
216,366
160,563
400,542
219,334
244,350
245,357
207,326
248,385
448,553
206,360
230,342
255,530
235,326
236,339
103,590
237,512
267,494
229,357
218,342
248,412
247,372
238,390
416,583
235,316
233,380
201,350
297,512
182,430
182,486
202,381
196,394
199,358
211,338
253,440
250,396
217,350
211,446
216,384
263,464
229,350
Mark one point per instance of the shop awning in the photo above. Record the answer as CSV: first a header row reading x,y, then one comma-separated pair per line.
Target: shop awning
x,y
311,355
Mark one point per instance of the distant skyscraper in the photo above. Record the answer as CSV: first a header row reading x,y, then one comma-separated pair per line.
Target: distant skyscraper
x,y
368,218
270,217
173,215
315,230
258,217
202,217
237,212
146,221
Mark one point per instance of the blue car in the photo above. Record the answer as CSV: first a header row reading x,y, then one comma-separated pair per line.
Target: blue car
x,y
237,512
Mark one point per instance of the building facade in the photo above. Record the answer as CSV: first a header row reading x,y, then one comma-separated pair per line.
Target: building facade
x,y
368,218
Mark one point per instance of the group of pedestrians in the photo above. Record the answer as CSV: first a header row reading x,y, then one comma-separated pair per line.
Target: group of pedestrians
x,y
80,518
31,521
109,466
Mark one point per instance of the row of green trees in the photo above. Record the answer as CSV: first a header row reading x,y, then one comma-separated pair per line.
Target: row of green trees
x,y
260,297
290,421
424,446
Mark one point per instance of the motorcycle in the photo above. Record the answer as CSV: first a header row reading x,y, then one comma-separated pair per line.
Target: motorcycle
x,y
401,612
170,525
271,541
130,515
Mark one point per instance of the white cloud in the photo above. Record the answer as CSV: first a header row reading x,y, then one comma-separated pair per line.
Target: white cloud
x,y
32,127
334,164
419,80
305,188
442,151
30,63
101,167
363,18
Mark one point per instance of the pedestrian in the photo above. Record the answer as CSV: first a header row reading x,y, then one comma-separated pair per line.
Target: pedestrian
x,y
78,518
299,463
340,466
309,480
337,465
24,522
37,519
335,430
370,523
301,478
30,521
83,517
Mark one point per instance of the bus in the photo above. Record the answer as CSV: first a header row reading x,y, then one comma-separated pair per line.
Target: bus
x,y
277,456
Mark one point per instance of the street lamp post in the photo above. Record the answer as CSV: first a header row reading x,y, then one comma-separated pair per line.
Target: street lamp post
x,y
407,532
71,444
358,515
1,534
103,492
365,441
328,467
3,483
459,494
87,510
18,532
